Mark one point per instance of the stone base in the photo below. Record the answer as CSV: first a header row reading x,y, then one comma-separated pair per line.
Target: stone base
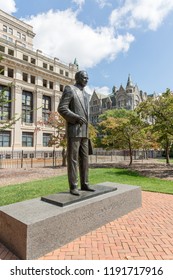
x,y
34,227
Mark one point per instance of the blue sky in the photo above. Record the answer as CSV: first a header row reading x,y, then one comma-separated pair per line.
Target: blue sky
x,y
110,38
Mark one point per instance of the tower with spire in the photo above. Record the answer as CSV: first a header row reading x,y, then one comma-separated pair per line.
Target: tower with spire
x,y
123,98
129,82
76,63
130,96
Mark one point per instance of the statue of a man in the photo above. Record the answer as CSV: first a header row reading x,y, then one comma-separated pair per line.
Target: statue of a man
x,y
74,108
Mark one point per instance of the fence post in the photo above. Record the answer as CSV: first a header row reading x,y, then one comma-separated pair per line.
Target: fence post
x,y
22,160
44,159
53,158
17,155
0,161
31,161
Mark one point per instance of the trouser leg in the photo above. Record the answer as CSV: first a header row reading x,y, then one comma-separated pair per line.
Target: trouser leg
x,y
72,161
83,162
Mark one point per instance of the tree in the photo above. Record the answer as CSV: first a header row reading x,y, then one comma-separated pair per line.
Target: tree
x,y
158,113
122,130
59,138
93,134
149,139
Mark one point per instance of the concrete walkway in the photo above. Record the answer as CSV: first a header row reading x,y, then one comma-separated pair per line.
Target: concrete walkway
x,y
145,233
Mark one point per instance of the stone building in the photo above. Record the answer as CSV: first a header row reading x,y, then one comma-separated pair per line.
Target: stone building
x,y
37,84
127,98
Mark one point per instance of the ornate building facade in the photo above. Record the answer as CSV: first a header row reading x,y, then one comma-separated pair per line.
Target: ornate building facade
x,y
127,98
37,82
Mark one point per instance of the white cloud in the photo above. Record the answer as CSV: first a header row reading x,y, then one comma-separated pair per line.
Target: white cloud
x,y
61,34
8,6
80,3
103,3
135,13
103,90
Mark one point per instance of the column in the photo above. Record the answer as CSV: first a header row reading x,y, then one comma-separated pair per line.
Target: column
x,y
38,96
17,113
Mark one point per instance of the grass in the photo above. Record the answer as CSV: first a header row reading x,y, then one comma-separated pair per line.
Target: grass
x,y
164,160
15,193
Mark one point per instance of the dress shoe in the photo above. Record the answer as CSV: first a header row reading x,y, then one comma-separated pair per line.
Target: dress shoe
x,y
74,192
87,188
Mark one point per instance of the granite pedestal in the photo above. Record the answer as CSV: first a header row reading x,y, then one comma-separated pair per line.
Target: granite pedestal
x,y
35,227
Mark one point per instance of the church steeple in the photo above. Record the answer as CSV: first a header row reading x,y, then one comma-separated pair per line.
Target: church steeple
x,y
129,82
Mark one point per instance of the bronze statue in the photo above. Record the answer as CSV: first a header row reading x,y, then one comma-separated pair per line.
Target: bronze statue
x,y
74,108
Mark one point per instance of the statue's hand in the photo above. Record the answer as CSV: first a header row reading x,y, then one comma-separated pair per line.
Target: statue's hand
x,y
82,120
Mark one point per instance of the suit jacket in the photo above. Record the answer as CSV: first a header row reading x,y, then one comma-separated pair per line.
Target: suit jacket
x,y
74,103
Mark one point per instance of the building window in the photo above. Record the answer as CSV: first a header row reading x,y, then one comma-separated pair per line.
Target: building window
x,y
11,52
32,60
61,87
44,65
18,35
4,37
2,49
46,103
10,30
67,74
61,72
4,28
27,139
10,73
51,85
23,37
50,67
5,107
25,57
2,70
44,83
32,79
46,139
25,77
10,39
5,138
27,107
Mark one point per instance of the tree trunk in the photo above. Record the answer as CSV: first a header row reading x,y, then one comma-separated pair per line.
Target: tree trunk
x,y
64,157
131,154
167,150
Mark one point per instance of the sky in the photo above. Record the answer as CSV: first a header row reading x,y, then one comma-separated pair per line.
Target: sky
x,y
109,38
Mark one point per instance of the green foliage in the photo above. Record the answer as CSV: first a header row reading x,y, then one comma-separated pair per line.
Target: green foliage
x,y
122,129
93,134
116,113
159,112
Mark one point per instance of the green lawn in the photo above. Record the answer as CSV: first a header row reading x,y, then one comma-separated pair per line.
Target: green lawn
x,y
163,160
25,191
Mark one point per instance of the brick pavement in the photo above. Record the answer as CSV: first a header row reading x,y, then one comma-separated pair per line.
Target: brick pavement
x,y
145,233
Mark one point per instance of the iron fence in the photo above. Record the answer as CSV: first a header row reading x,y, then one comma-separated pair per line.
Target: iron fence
x,y
33,159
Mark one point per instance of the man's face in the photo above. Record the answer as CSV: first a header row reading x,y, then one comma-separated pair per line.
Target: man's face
x,y
83,79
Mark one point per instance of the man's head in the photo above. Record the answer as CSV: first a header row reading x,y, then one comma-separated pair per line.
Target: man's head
x,y
81,78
